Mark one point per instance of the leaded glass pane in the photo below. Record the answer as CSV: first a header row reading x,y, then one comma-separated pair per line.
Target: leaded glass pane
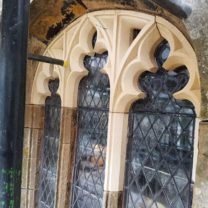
x,y
50,149
93,105
160,142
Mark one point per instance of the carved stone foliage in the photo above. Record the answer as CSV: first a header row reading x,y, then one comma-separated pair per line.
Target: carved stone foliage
x,y
130,39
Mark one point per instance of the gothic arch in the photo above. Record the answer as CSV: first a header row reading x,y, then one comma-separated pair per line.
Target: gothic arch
x,y
129,56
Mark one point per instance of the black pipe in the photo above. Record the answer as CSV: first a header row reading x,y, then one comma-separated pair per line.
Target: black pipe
x,y
13,57
46,59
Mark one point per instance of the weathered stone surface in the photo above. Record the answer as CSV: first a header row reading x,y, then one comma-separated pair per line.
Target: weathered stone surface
x,y
68,125
25,172
33,133
67,154
64,176
203,140
23,198
200,199
36,136
33,172
113,199
25,160
176,7
34,116
31,199
48,18
30,160
197,26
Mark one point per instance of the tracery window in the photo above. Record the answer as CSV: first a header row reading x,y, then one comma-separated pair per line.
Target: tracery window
x,y
46,197
160,142
161,126
93,105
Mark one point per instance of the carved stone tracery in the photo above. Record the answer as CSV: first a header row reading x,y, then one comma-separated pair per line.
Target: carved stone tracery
x,y
128,58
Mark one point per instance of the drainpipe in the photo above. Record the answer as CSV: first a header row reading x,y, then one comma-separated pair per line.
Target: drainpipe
x,y
13,57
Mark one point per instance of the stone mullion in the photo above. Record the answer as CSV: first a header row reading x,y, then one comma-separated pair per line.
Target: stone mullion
x,y
66,155
33,133
115,161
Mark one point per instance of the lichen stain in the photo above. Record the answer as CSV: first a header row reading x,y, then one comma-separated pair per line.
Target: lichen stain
x,y
78,10
49,17
44,13
70,13
99,5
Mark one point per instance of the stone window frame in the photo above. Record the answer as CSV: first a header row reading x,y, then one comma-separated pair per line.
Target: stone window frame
x,y
128,59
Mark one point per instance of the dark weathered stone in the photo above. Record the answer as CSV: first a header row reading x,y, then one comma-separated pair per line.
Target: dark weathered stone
x,y
176,7
48,18
113,199
67,154
34,116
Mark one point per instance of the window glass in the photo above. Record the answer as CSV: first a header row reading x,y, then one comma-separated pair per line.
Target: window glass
x,y
160,142
93,107
50,149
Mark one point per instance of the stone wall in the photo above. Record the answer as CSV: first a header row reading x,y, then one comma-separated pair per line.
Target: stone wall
x,y
200,199
197,27
33,133
49,17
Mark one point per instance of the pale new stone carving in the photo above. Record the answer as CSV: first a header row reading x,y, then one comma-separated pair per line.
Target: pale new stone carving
x,y
128,57
182,54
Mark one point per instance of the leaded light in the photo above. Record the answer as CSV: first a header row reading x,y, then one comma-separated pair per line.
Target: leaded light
x,y
160,142
50,149
93,107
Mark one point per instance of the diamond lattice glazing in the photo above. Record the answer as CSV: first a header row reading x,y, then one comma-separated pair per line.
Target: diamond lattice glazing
x,y
160,144
50,149
93,104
